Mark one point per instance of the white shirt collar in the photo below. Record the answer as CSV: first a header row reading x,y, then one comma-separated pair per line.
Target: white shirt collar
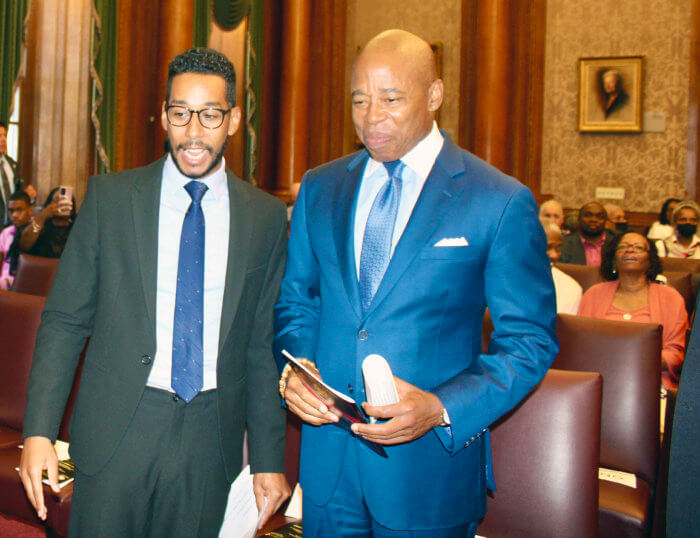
x,y
176,179
421,157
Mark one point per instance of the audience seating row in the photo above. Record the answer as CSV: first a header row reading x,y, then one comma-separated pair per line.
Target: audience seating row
x,y
20,315
628,355
681,281
34,275
546,451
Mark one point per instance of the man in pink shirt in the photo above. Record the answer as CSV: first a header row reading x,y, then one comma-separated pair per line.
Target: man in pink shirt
x,y
20,213
584,247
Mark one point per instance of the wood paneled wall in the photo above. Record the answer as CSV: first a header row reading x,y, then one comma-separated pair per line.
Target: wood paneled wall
x,y
501,85
302,105
56,144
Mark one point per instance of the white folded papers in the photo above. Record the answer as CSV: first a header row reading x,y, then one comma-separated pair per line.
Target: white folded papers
x,y
241,518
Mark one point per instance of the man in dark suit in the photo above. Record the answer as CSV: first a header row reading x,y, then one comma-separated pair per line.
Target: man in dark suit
x,y
397,250
9,178
173,271
585,246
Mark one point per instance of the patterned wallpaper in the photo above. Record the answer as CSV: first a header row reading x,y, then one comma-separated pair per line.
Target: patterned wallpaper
x,y
433,20
649,166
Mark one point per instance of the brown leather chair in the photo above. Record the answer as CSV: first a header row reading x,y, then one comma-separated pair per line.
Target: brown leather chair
x,y
585,275
628,355
682,282
681,264
34,275
545,456
20,316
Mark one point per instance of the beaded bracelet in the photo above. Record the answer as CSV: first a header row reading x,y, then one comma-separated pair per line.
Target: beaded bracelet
x,y
286,371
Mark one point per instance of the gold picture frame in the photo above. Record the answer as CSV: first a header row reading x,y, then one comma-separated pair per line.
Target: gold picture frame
x,y
610,94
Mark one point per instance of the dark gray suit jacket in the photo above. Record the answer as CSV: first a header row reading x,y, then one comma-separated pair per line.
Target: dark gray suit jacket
x,y
105,288
572,248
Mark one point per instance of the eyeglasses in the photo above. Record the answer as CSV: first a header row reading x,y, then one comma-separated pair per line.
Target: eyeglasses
x,y
634,248
209,118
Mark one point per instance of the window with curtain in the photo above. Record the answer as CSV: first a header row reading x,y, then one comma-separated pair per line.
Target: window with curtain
x,y
13,128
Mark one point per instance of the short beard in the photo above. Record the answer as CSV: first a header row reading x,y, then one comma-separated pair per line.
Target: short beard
x,y
215,163
589,235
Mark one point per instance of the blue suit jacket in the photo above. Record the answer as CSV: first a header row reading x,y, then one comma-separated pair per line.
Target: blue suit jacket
x,y
426,319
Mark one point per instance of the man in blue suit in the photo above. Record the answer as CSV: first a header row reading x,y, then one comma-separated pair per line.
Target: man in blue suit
x,y
397,250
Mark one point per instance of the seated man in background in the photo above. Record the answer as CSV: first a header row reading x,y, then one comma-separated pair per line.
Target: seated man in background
x,y
617,220
554,211
20,210
584,247
567,290
48,232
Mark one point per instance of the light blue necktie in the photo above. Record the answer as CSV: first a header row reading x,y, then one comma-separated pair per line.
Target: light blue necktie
x,y
187,363
376,243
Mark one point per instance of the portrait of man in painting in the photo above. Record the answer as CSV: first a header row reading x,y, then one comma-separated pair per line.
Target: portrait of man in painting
x,y
611,91
610,94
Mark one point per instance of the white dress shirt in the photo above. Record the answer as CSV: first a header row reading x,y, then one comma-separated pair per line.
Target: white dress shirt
x,y
419,162
174,202
10,177
568,292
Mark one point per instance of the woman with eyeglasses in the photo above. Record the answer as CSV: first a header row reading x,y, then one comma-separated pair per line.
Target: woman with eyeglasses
x,y
630,266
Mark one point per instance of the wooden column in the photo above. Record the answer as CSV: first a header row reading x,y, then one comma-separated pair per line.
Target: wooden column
x,y
327,81
57,90
294,94
232,43
137,98
692,173
492,76
176,36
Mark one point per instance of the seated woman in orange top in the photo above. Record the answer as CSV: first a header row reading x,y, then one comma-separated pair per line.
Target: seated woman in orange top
x,y
630,264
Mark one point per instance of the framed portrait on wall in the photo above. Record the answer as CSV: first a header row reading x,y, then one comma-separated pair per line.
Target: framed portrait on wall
x,y
610,94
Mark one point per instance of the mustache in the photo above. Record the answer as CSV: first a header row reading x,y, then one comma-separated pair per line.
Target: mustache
x,y
195,145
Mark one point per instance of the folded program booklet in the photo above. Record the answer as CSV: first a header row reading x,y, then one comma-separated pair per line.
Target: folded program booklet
x,y
338,403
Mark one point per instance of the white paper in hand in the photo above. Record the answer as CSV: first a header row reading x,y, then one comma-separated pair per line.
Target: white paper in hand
x,y
241,518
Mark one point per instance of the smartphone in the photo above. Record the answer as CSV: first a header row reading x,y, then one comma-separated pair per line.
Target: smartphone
x,y
66,193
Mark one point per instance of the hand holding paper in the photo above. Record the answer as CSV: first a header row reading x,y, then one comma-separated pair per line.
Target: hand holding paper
x,y
271,490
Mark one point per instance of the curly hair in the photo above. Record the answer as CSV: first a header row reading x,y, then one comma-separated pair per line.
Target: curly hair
x,y
206,62
607,264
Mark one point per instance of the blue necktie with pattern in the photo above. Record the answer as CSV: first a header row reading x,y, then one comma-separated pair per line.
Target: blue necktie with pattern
x,y
376,243
187,362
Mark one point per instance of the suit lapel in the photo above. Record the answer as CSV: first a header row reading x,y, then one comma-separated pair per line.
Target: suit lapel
x,y
343,225
145,203
440,191
239,238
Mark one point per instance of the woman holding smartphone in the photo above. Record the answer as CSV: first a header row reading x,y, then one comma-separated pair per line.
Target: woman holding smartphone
x,y
47,233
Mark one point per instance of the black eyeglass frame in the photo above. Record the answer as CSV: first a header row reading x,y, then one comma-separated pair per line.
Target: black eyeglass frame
x,y
193,112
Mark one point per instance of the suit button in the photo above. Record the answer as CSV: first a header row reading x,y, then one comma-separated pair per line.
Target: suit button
x,y
176,398
146,359
351,389
363,334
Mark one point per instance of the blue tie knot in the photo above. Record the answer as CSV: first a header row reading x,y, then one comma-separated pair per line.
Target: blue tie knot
x,y
196,190
392,166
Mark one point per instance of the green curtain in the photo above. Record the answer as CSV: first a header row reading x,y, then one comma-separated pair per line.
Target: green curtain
x,y
202,22
12,15
104,81
253,68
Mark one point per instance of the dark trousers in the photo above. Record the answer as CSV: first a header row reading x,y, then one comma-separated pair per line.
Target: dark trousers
x,y
166,478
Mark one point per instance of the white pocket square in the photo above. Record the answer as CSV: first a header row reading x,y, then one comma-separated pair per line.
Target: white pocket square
x,y
452,242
